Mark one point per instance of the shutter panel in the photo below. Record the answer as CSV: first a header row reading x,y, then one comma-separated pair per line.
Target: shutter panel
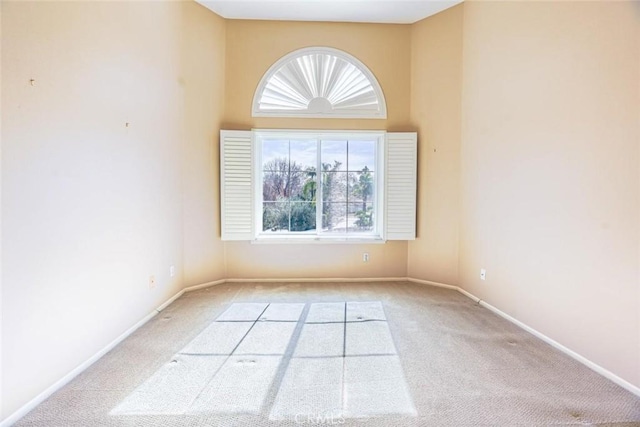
x,y
400,185
236,184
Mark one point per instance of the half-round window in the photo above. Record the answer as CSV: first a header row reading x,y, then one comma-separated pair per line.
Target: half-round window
x,y
319,82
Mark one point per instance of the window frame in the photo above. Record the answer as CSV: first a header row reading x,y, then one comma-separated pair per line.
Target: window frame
x,y
378,234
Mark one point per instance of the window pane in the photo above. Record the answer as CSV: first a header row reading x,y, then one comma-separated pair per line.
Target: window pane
x,y
360,218
308,182
275,154
304,154
362,154
294,184
334,155
275,216
275,185
303,216
334,217
362,187
334,186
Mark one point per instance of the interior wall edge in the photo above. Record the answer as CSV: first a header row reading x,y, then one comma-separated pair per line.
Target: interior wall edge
x,y
435,111
553,343
577,356
318,280
30,405
25,409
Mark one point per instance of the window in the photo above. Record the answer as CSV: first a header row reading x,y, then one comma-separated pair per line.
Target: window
x,y
319,82
321,185
318,186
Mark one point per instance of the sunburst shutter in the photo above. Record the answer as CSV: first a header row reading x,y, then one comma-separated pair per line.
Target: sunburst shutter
x,y
319,82
236,184
400,185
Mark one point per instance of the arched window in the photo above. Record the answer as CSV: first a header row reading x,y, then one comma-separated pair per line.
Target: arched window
x,y
319,82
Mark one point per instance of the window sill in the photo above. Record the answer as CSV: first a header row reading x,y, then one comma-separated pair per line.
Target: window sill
x,y
306,240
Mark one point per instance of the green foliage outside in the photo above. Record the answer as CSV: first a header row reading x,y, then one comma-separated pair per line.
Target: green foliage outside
x,y
290,194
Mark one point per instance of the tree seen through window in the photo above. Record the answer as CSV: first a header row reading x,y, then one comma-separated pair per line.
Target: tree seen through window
x,y
338,200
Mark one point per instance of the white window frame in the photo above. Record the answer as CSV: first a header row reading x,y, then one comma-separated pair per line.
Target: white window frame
x,y
377,236
238,188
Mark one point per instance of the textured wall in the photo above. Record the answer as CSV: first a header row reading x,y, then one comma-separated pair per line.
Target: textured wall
x,y
549,162
90,207
436,92
203,72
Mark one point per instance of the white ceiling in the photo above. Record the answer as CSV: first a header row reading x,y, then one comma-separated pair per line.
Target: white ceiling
x,y
381,11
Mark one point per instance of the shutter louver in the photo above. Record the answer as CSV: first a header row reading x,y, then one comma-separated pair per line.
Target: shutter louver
x,y
400,185
236,184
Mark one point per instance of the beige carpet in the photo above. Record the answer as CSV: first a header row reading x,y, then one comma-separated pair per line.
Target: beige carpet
x,y
366,354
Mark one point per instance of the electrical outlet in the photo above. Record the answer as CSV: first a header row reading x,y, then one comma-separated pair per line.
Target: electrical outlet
x,y
152,282
483,274
172,271
365,257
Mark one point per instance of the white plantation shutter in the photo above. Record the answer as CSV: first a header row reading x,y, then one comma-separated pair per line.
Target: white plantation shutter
x,y
236,184
400,185
294,84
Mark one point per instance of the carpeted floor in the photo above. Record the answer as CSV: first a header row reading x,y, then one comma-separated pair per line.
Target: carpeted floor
x,y
366,354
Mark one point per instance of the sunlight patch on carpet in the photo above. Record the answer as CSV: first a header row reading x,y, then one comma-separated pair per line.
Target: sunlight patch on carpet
x,y
333,361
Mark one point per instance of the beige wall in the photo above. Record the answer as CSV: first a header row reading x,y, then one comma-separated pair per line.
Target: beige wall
x,y
436,91
245,260
549,161
91,208
533,111
252,47
203,81
1,375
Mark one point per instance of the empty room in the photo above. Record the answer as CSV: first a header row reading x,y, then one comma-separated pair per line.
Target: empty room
x,y
319,212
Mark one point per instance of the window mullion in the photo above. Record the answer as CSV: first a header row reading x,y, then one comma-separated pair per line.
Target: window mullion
x,y
288,187
319,195
346,218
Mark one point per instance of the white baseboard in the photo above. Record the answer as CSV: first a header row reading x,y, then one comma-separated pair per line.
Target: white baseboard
x,y
430,283
25,409
28,407
167,303
320,280
205,285
588,363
